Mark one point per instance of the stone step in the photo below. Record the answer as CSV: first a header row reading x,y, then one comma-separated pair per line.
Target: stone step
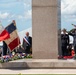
x,y
40,64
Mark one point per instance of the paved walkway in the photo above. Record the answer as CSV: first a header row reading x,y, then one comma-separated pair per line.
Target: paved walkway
x,y
38,71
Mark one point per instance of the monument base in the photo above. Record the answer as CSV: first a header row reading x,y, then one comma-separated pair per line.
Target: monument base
x,y
39,64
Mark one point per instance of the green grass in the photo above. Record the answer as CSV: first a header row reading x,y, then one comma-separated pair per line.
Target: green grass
x,y
37,74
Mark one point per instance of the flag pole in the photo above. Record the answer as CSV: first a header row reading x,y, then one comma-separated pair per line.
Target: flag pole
x,y
16,30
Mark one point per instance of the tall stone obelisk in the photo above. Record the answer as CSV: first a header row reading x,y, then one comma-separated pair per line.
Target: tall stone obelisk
x,y
46,25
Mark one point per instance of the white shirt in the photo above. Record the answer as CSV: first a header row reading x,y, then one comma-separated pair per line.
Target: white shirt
x,y
70,39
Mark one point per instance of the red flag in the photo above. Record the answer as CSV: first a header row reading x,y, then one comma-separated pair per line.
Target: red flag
x,y
14,40
3,33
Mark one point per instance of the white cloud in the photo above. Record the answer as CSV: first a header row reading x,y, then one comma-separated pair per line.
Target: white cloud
x,y
26,5
9,20
11,16
28,14
4,15
68,10
19,16
68,6
69,16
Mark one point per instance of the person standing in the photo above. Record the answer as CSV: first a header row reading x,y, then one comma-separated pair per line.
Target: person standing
x,y
64,43
73,33
70,45
4,48
27,43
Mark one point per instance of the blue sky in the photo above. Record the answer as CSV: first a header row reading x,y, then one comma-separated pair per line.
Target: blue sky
x,y
21,11
18,10
68,13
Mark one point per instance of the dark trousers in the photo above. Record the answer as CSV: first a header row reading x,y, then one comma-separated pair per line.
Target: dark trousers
x,y
69,50
75,48
27,51
4,48
64,51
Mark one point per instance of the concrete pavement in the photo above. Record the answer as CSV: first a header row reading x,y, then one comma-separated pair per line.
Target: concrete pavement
x,y
38,71
40,64
44,64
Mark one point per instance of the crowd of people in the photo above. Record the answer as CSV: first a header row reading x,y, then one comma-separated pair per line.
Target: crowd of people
x,y
66,46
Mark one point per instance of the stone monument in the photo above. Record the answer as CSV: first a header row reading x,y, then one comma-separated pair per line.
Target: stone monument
x,y
46,25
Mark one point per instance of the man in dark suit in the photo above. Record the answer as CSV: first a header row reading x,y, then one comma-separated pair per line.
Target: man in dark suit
x,y
27,44
64,43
